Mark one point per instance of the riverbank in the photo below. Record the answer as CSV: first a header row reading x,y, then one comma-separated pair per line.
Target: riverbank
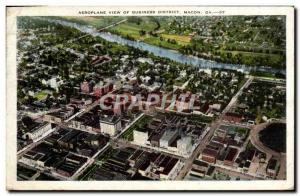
x,y
165,53
156,31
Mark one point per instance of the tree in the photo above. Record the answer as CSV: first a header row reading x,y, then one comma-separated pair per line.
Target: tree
x,y
142,32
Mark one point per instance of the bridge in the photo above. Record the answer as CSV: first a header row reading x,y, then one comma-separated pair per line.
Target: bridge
x,y
112,25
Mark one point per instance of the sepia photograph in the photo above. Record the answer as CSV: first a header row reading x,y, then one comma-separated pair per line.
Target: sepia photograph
x,y
150,98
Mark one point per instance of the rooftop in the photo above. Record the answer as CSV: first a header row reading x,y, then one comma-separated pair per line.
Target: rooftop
x,y
110,119
169,134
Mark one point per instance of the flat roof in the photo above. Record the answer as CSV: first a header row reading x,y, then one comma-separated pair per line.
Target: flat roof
x,y
111,119
231,154
209,152
169,134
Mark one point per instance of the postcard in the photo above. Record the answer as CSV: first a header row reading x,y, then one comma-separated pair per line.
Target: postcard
x,y
150,98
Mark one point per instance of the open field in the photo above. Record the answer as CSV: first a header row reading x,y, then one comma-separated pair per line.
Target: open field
x,y
250,44
41,95
180,39
133,29
157,42
144,32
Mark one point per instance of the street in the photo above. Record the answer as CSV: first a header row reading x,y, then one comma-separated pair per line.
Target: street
x,y
214,126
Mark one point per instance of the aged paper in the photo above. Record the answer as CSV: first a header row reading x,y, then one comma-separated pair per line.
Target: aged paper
x,y
150,98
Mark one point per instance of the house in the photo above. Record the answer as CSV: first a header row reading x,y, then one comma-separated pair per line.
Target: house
x,y
99,60
80,102
215,106
53,82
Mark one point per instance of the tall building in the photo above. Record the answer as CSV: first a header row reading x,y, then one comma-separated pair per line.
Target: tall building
x,y
140,136
110,125
168,137
184,145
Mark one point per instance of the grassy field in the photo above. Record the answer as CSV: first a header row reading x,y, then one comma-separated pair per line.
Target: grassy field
x,y
248,57
180,39
41,95
157,42
95,21
134,30
156,31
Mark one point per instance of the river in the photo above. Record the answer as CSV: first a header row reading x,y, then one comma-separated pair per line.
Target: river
x,y
163,52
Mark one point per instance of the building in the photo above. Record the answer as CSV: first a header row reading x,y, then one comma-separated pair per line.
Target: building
x,y
168,137
37,132
86,87
96,140
154,140
233,118
184,145
88,122
209,155
272,168
134,158
69,140
215,106
110,124
101,88
53,82
230,157
99,60
70,165
60,115
81,102
221,133
33,158
163,167
140,136
199,168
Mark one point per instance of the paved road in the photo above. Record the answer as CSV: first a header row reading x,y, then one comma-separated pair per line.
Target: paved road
x,y
89,162
63,124
128,126
254,137
214,126
125,143
282,171
235,97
